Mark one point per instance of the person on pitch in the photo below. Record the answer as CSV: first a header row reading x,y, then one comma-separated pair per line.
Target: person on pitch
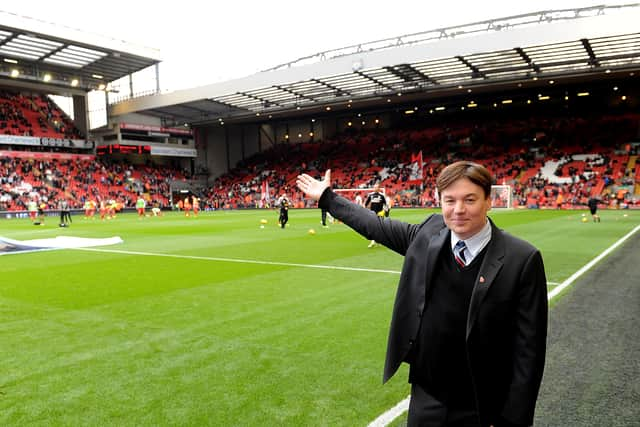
x,y
470,315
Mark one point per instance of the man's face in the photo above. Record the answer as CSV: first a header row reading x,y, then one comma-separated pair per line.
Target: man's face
x,y
465,207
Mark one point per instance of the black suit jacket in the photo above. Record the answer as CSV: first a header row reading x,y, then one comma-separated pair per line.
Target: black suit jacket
x,y
507,319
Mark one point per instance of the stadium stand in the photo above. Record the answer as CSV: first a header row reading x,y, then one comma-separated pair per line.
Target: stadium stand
x,y
34,115
573,158
80,179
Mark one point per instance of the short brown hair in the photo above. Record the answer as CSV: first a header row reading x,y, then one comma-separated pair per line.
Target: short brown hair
x,y
474,172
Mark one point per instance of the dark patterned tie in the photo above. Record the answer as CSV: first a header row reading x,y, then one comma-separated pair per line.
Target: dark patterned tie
x,y
458,253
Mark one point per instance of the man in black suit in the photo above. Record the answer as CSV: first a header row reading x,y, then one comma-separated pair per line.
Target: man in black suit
x,y
470,318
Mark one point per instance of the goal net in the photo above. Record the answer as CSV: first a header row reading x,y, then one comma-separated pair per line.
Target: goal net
x,y
501,196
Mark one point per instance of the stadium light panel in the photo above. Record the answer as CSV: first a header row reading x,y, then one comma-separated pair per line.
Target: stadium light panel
x,y
10,61
47,78
440,108
583,93
15,73
507,101
74,82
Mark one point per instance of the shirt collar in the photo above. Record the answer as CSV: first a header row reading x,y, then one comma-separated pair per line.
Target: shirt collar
x,y
475,243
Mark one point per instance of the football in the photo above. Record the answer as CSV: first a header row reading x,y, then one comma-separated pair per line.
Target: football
x,y
312,231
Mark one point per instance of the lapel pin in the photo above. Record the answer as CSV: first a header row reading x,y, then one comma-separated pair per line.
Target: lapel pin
x,y
481,279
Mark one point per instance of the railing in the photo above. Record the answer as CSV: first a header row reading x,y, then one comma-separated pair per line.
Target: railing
x,y
498,24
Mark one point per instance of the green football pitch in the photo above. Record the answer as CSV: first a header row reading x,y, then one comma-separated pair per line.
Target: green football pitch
x,y
216,321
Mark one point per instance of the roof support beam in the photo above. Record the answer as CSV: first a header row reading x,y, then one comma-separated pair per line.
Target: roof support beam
x,y
379,83
294,93
475,71
265,102
527,59
592,56
337,90
409,74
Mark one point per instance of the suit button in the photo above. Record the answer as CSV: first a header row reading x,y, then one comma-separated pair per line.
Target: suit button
x,y
410,343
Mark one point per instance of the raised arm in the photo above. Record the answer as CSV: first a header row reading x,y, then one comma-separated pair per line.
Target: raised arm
x,y
311,186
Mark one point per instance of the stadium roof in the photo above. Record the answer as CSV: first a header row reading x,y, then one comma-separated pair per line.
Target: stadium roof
x,y
62,57
564,44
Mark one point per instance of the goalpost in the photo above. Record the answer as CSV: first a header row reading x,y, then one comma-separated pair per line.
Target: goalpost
x,y
501,196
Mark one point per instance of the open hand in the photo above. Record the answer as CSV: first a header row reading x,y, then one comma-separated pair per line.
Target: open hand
x,y
311,186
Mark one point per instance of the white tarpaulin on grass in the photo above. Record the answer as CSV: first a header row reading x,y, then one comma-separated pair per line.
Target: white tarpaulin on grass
x,y
10,246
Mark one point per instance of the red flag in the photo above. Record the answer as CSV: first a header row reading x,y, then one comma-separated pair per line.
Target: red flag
x,y
264,193
416,160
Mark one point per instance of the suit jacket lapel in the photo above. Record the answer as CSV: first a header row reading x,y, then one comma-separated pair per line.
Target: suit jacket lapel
x,y
491,265
435,244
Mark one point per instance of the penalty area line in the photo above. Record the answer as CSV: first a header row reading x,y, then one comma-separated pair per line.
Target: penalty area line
x,y
240,261
386,418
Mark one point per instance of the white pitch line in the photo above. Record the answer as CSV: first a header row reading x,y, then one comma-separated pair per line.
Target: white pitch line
x,y
393,413
590,264
242,261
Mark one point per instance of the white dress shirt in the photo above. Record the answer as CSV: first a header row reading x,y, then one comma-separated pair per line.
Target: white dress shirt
x,y
475,243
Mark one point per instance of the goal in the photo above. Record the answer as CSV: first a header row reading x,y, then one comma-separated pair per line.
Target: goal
x,y
501,196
